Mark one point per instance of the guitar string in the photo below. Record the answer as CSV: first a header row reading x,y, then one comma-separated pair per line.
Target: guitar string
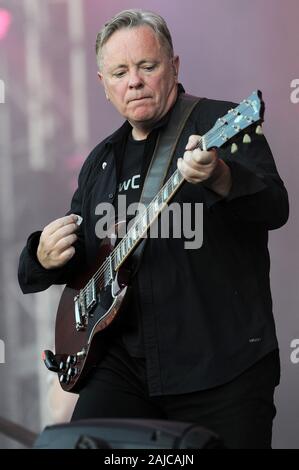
x,y
99,275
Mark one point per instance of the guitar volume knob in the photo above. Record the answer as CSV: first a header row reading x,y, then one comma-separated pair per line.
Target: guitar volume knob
x,y
64,379
71,360
72,372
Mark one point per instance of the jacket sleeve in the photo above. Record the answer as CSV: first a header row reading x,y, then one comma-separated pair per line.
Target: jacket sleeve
x,y
32,276
258,194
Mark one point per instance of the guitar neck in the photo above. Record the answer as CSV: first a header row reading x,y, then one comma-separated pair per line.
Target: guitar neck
x,y
145,219
225,128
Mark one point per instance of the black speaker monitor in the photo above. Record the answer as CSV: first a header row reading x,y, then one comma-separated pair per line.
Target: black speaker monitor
x,y
127,434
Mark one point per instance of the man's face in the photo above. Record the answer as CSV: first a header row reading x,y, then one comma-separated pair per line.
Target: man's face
x,y
139,77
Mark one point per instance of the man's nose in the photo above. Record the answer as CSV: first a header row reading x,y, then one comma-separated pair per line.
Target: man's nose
x,y
135,80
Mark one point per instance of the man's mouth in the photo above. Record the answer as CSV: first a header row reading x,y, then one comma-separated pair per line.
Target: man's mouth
x,y
140,99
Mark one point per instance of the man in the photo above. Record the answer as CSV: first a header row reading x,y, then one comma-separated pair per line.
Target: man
x,y
197,340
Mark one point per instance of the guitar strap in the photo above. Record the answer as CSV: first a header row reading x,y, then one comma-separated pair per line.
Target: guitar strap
x,y
163,153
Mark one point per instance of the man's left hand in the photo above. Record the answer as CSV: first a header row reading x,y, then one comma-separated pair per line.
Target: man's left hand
x,y
204,166
198,165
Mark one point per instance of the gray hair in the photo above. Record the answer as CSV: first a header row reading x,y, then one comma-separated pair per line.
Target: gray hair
x,y
132,19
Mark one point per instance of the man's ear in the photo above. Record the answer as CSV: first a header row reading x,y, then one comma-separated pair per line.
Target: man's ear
x,y
101,80
100,77
176,65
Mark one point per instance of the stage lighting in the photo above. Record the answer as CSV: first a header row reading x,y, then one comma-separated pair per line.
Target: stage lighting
x,y
5,22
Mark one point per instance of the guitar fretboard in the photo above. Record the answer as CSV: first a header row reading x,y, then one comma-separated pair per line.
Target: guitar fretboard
x,y
237,119
144,220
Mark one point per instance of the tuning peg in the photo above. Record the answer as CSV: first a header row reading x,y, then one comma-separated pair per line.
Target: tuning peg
x,y
234,148
259,130
246,139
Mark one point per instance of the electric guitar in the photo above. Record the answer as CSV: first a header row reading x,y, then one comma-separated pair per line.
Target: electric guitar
x,y
93,301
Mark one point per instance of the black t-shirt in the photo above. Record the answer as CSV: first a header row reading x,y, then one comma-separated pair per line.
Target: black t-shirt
x,y
129,184
133,168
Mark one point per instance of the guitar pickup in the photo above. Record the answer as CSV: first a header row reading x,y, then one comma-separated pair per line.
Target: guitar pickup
x,y
79,317
90,295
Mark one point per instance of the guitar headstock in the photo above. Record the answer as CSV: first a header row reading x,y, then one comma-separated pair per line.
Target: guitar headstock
x,y
247,113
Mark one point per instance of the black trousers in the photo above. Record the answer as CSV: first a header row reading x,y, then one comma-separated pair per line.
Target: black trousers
x,y
241,412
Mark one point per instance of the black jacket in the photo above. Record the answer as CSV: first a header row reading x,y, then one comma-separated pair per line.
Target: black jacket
x,y
206,313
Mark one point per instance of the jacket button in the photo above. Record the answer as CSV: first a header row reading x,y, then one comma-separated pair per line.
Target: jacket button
x,y
104,164
110,195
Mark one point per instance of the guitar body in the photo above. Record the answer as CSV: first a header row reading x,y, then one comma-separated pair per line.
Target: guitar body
x,y
76,348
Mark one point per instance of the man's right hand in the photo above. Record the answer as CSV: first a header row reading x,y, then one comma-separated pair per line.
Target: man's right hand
x,y
55,247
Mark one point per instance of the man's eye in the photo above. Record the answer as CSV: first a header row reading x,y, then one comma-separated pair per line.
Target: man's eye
x,y
149,67
118,74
